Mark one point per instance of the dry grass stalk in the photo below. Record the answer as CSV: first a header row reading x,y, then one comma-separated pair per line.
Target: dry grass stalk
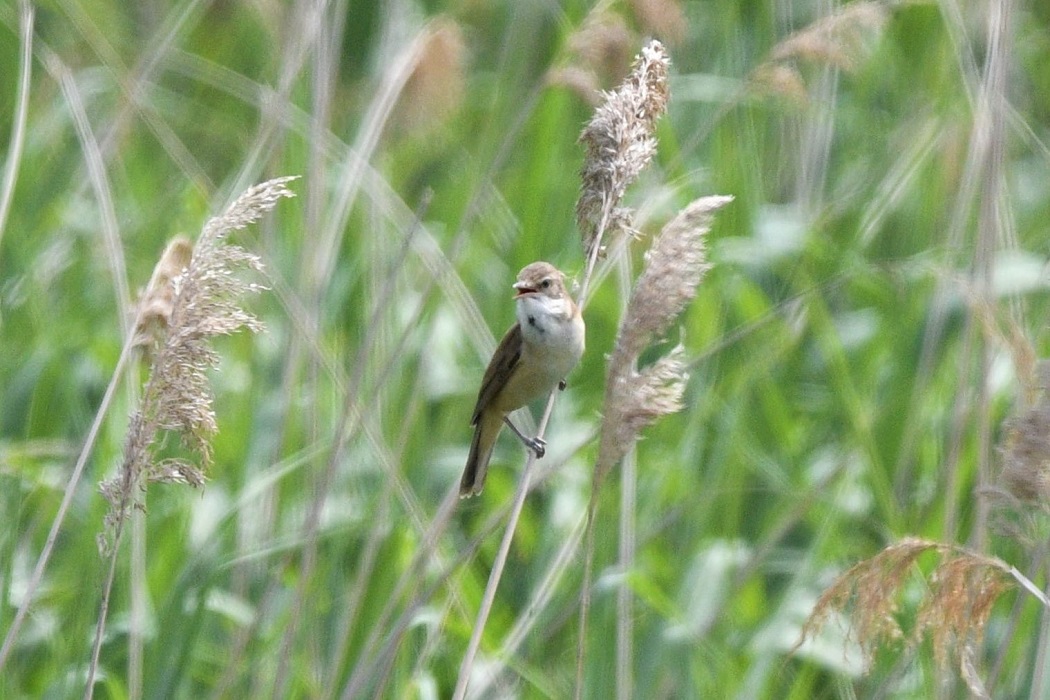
x,y
204,302
620,143
674,267
954,613
1004,331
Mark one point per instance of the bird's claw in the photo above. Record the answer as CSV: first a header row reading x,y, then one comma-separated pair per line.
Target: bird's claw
x,y
538,446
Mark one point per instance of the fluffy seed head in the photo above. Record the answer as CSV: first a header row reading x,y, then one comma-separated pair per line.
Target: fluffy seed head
x,y
205,301
957,602
620,142
674,267
1025,450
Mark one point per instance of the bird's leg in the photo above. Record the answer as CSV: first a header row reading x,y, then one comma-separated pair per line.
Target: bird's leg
x,y
537,445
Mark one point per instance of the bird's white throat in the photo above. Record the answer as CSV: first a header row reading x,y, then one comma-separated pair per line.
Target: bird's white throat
x,y
548,325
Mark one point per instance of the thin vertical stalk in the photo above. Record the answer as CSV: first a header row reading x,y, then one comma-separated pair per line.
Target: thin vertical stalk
x,y
500,561
139,594
103,608
624,611
585,594
992,105
63,508
18,125
1040,689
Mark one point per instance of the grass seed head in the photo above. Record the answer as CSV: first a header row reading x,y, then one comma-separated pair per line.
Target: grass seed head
x,y
674,268
158,301
954,612
620,143
1025,449
205,301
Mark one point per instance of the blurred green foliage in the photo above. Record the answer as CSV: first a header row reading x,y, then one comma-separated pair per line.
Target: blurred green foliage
x,y
852,356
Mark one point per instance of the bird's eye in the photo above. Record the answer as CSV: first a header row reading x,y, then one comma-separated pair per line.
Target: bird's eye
x,y
545,284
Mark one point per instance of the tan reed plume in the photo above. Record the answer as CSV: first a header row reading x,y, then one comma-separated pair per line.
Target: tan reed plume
x,y
620,143
200,301
957,601
674,267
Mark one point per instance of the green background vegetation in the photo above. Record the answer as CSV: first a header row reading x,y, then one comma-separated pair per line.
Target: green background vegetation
x,y
854,350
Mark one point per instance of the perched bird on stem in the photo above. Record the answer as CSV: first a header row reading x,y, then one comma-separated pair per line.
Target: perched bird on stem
x,y
535,355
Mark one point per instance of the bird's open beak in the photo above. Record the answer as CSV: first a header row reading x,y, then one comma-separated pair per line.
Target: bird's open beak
x,y
523,289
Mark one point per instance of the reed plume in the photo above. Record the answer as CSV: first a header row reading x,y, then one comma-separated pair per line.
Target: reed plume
x,y
620,142
189,303
842,39
953,613
674,267
597,54
1025,449
158,300
186,309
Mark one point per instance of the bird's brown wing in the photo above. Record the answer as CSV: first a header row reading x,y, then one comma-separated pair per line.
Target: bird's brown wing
x,y
502,364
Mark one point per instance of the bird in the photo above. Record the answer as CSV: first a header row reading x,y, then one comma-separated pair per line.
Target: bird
x,y
535,355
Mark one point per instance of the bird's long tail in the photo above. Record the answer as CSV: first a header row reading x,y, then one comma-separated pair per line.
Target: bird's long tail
x,y
485,433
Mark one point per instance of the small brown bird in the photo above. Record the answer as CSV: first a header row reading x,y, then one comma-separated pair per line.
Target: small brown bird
x,y
535,355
